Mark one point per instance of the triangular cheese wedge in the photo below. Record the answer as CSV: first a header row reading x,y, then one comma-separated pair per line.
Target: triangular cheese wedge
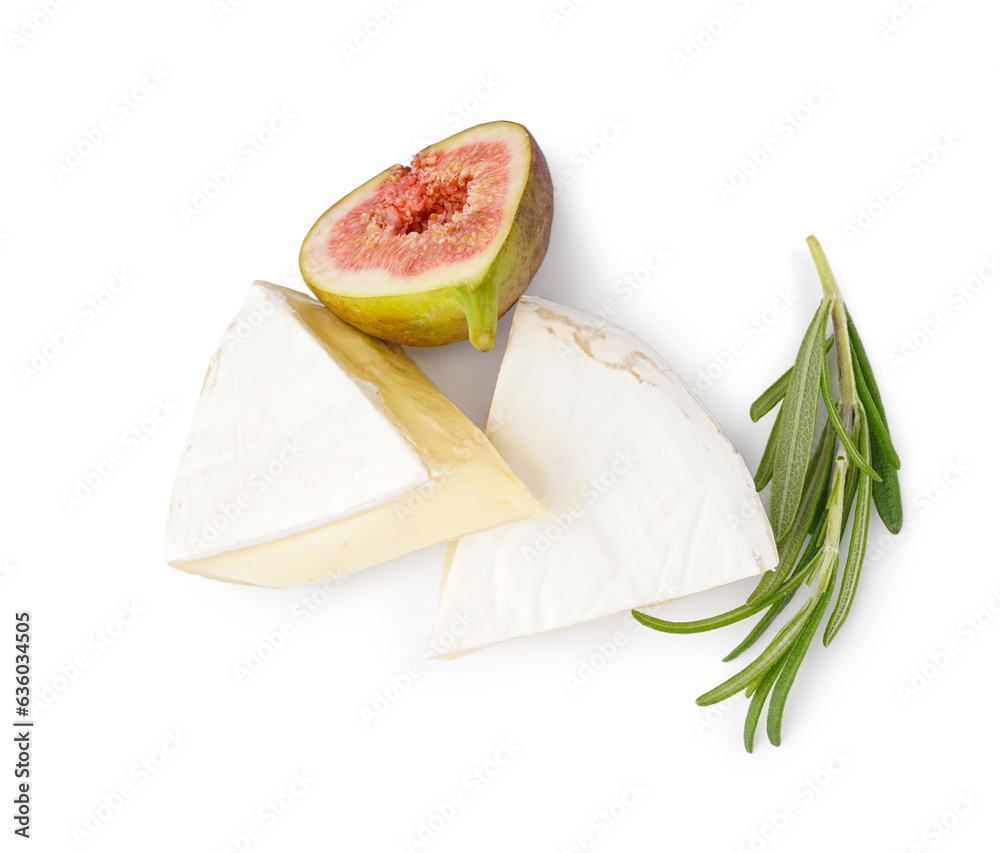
x,y
647,498
317,450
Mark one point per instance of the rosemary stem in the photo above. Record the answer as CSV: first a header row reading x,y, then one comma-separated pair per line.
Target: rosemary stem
x,y
830,289
849,398
835,515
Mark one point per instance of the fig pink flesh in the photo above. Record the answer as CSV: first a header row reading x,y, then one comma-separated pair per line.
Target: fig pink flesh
x,y
446,206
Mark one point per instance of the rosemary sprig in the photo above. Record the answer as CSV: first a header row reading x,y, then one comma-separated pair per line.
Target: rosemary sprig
x,y
812,494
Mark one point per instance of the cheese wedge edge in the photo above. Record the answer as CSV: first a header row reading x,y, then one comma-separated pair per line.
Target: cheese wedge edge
x,y
648,500
317,451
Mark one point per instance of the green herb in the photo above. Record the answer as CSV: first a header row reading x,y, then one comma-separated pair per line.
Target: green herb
x,y
812,494
798,423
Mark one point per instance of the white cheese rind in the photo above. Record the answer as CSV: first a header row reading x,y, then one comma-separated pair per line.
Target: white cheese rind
x,y
317,451
272,396
648,499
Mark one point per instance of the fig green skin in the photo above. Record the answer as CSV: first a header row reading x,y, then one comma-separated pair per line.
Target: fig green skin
x,y
428,319
468,310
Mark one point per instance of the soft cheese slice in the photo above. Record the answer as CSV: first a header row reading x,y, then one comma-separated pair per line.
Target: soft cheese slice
x,y
317,450
648,499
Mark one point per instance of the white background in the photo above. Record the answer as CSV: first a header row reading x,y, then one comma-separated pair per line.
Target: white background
x,y
644,141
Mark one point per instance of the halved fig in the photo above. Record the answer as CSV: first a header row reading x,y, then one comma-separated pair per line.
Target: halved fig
x,y
437,251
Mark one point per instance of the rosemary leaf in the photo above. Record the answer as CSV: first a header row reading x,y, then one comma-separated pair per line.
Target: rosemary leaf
x,y
742,612
766,467
775,392
761,626
850,491
798,424
863,367
888,500
818,523
757,703
808,557
778,646
820,532
880,434
776,709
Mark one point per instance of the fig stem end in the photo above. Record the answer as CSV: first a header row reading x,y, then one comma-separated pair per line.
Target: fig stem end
x,y
480,307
